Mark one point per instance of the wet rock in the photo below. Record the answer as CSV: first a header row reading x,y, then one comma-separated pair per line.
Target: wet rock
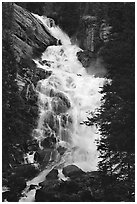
x,y
59,42
31,145
64,119
44,104
49,142
45,62
32,95
72,170
36,133
32,187
52,120
47,130
65,135
55,82
60,103
43,156
47,89
39,75
61,150
54,155
50,92
48,73
64,98
29,34
70,120
52,175
85,57
46,143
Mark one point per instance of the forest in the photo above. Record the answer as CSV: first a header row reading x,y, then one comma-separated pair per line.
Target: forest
x,y
114,180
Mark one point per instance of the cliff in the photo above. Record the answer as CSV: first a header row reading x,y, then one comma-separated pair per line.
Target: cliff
x,y
24,38
29,35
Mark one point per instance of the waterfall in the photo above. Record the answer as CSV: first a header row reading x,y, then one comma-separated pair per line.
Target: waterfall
x,y
65,100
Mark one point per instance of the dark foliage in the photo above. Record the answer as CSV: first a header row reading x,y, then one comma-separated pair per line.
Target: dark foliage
x,y
116,117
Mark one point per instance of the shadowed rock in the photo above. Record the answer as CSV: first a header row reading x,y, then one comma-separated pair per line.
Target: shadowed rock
x,y
60,103
52,121
72,170
29,34
53,174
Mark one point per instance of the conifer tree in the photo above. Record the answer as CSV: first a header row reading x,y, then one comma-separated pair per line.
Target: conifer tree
x,y
116,117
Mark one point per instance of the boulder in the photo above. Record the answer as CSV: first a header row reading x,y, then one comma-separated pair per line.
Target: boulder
x,y
52,121
31,145
72,170
60,103
43,156
85,57
64,120
32,186
64,98
52,175
39,75
61,150
48,142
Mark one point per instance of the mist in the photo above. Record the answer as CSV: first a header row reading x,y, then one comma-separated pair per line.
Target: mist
x,y
97,68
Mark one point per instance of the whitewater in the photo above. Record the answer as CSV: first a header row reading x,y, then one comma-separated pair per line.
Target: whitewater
x,y
70,93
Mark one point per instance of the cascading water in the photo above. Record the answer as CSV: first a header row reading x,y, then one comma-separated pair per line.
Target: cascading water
x,y
65,100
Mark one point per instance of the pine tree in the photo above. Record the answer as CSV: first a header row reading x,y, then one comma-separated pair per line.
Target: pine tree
x,y
116,117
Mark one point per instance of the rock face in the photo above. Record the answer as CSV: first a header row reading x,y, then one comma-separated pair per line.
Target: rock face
x,y
85,57
27,38
93,63
88,33
29,34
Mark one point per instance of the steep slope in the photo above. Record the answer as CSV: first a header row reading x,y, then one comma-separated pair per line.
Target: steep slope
x,y
23,39
29,34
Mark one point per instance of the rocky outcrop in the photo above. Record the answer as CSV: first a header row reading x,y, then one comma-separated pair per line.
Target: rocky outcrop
x,y
24,39
30,37
81,188
85,57
93,62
